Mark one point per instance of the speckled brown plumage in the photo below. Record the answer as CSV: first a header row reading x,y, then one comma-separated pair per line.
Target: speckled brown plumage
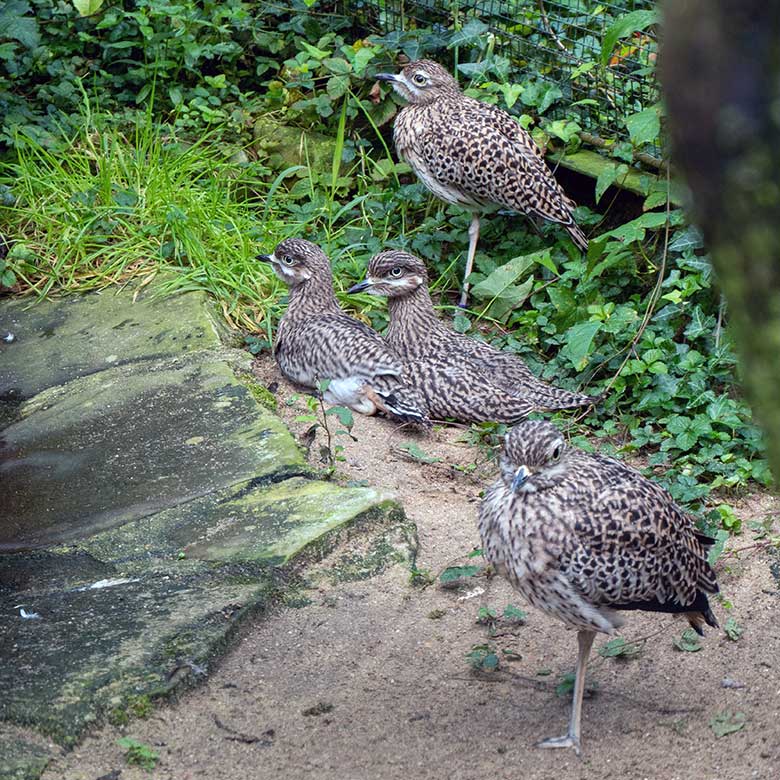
x,y
316,341
473,154
494,380
582,536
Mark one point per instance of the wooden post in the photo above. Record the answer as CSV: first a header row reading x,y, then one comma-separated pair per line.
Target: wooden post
x,y
720,68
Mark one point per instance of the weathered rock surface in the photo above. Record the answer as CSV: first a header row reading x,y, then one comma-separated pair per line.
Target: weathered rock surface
x,y
147,503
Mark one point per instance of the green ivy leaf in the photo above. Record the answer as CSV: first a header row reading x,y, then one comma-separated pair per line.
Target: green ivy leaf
x,y
16,25
344,415
733,630
609,175
644,127
511,612
727,722
579,343
453,573
418,454
87,7
619,648
688,642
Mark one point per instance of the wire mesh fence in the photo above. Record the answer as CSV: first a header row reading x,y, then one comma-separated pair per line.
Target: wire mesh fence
x,y
559,42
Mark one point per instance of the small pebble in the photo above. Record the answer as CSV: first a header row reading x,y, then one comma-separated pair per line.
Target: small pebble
x,y
9,337
727,682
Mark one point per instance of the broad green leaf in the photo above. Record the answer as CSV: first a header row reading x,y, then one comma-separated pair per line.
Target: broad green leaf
x,y
579,343
337,86
344,415
511,92
337,66
727,722
644,127
14,23
619,648
609,175
318,54
501,288
471,32
452,573
624,26
689,642
87,7
417,454
733,630
511,612
721,537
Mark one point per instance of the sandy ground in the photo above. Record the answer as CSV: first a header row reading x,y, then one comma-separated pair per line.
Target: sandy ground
x,y
371,680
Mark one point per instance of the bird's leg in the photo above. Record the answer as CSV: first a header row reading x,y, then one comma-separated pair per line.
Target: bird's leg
x,y
572,737
473,238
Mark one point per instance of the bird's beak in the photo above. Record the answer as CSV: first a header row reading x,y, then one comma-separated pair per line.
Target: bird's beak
x,y
521,475
360,286
265,258
386,77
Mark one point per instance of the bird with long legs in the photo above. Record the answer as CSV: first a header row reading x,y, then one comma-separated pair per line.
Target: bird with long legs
x,y
420,338
473,154
317,342
583,536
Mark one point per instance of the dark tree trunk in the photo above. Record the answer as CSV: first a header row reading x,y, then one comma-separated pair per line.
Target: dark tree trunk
x,y
720,69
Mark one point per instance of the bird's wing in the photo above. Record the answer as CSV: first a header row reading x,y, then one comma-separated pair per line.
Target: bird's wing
x,y
336,346
488,164
455,389
629,543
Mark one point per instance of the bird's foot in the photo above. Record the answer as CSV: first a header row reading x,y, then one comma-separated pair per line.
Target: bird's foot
x,y
566,741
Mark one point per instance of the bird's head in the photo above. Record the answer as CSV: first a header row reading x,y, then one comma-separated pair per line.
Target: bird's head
x,y
534,457
393,273
421,82
296,260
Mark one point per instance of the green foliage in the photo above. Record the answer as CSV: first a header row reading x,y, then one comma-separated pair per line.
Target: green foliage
x,y
484,658
732,629
727,722
688,642
197,182
416,453
139,754
619,648
456,574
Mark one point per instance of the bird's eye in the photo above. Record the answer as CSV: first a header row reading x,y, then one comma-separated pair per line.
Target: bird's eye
x,y
419,79
287,260
556,453
396,272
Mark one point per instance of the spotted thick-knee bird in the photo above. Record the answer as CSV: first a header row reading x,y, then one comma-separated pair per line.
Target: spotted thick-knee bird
x,y
473,154
465,379
317,342
583,536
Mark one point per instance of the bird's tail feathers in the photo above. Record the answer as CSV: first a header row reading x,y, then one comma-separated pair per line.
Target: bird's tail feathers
x,y
579,238
402,403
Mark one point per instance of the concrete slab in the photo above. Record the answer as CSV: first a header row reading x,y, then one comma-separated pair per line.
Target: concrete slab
x,y
58,340
122,443
148,503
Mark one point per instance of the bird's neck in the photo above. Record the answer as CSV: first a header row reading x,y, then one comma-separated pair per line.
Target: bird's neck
x,y
314,296
413,322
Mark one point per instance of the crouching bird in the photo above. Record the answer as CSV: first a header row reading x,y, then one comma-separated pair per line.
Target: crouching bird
x,y
473,154
317,342
460,377
583,536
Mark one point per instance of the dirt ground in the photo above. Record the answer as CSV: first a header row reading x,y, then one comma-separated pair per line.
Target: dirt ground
x,y
371,679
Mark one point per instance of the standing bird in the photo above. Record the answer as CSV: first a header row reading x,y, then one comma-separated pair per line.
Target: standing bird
x,y
581,536
316,341
473,154
417,334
